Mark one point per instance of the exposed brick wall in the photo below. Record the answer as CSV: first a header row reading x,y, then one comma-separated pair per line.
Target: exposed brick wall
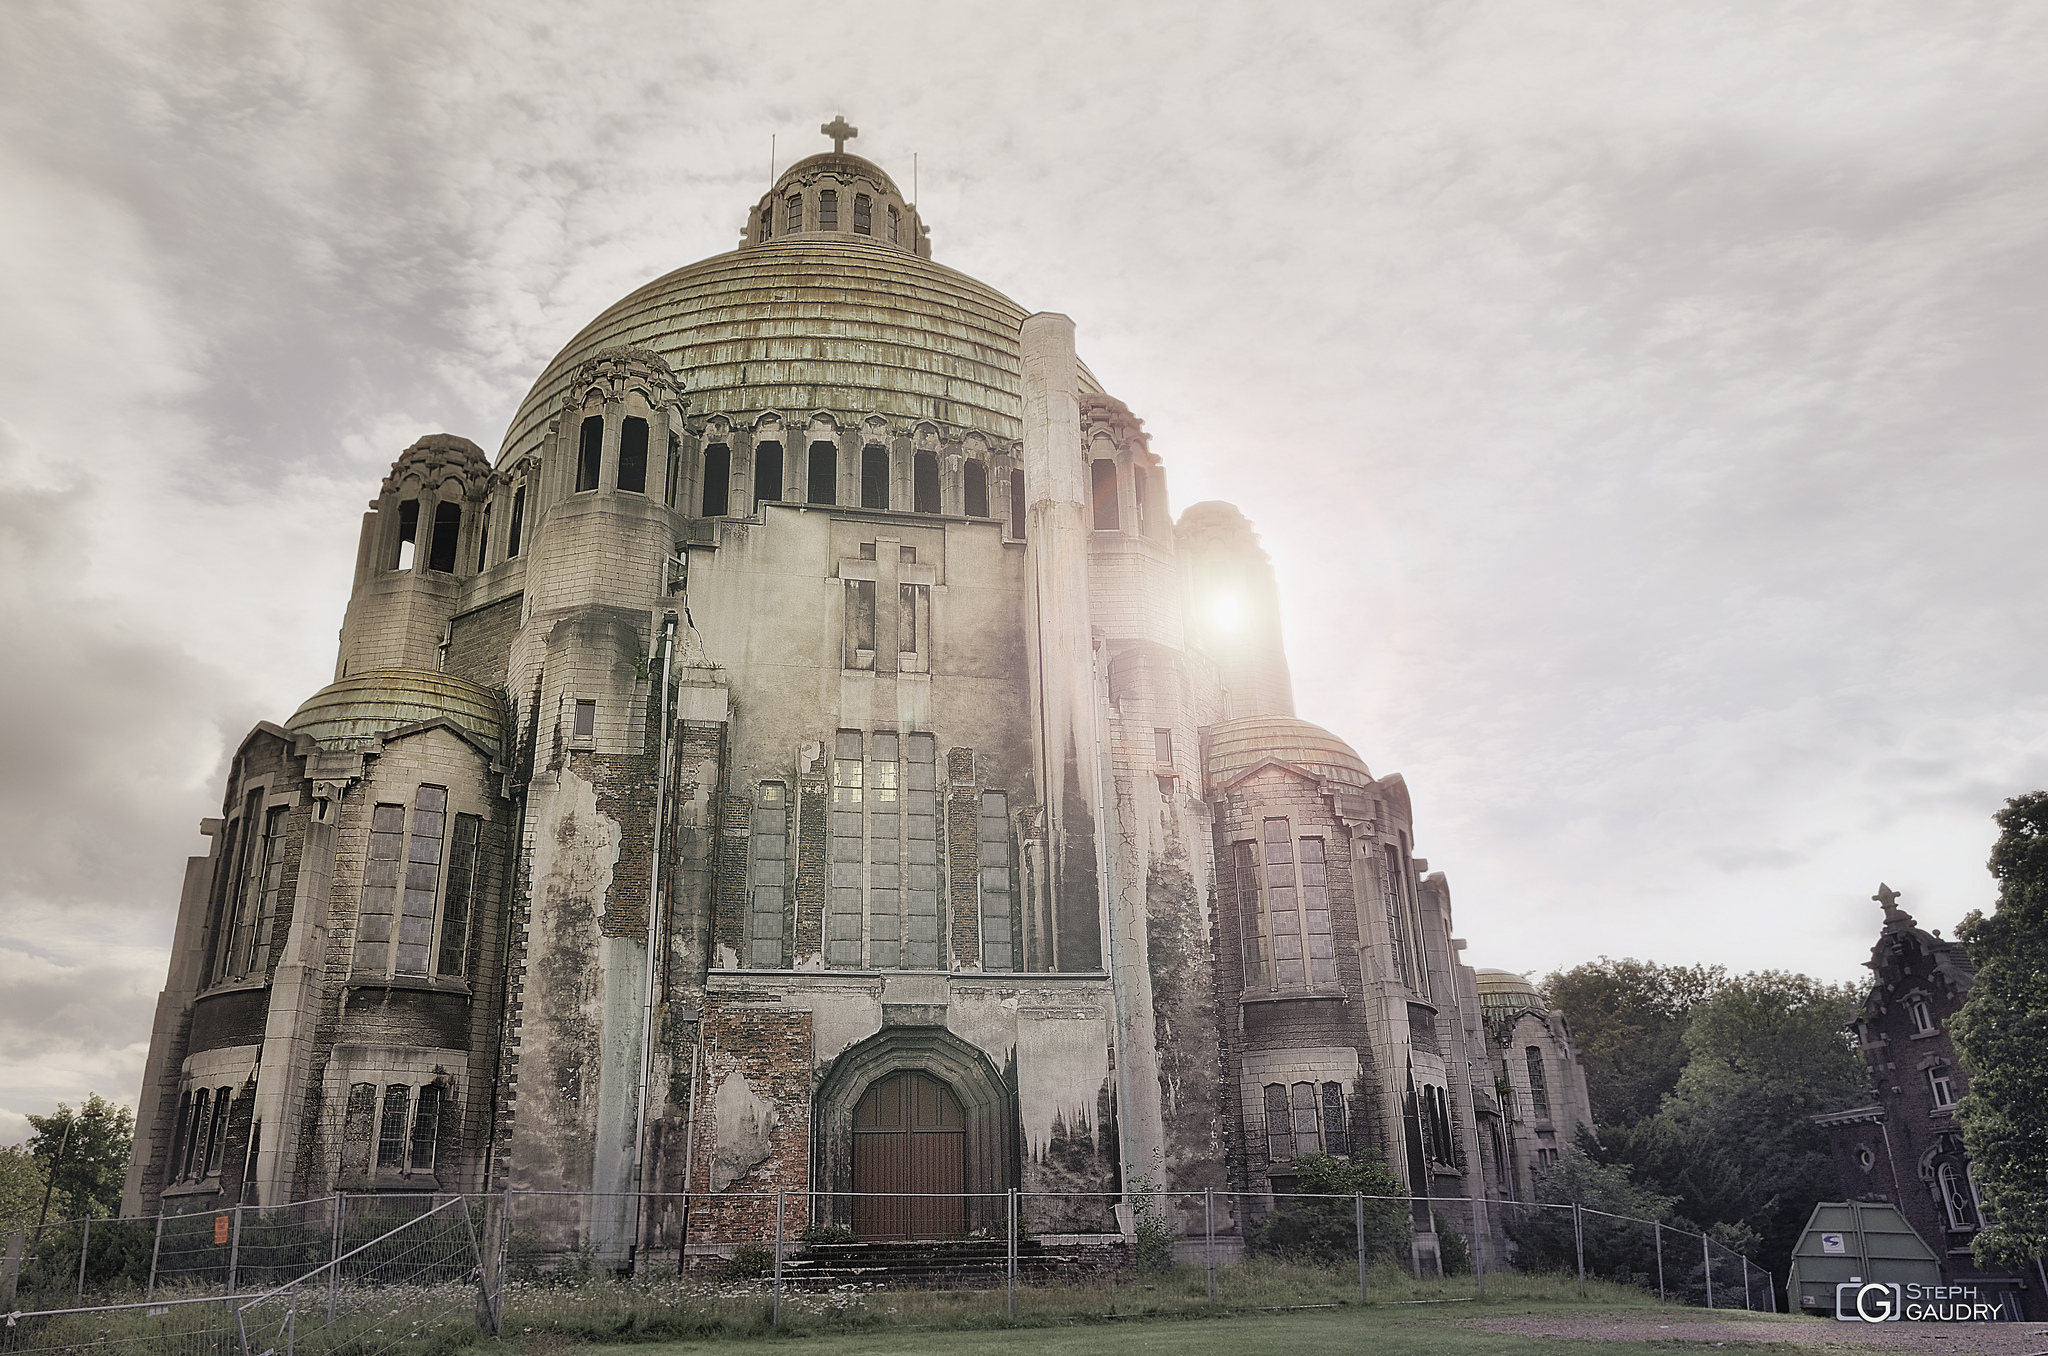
x,y
735,832
480,642
772,1051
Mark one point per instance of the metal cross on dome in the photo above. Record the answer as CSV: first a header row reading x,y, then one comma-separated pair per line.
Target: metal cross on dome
x,y
840,133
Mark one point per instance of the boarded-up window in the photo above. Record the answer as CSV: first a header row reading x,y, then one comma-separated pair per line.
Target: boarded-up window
x,y
769,875
860,623
921,949
793,214
913,624
863,214
1162,747
483,539
518,522
895,220
357,1124
1017,505
998,894
828,210
590,453
1102,494
586,720
717,480
885,873
874,477
844,912
673,479
633,455
975,489
767,473
924,487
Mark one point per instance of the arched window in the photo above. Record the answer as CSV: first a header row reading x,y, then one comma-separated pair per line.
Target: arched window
x,y
894,218
924,487
717,480
518,521
793,214
977,489
767,473
1539,1085
675,470
426,1128
767,222
408,532
1017,505
822,485
1102,491
633,456
828,210
447,530
863,214
483,539
874,476
591,454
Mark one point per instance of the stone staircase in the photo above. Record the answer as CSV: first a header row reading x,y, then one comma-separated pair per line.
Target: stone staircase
x,y
952,1264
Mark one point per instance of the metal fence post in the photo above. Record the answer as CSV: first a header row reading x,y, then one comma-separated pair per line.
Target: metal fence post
x,y
1358,1214
234,1248
1707,1257
291,1321
1011,1206
1745,1279
1209,1237
1479,1247
155,1249
1579,1241
1658,1227
84,1242
775,1318
334,1254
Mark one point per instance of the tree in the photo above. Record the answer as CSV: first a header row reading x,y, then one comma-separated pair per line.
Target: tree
x,y
1616,1249
1326,1231
2001,1033
84,1154
1628,1021
1735,1141
21,1188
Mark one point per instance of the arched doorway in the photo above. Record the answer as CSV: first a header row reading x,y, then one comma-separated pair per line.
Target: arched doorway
x,y
909,1137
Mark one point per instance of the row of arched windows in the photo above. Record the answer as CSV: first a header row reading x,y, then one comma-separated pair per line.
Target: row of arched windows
x,y
827,216
821,482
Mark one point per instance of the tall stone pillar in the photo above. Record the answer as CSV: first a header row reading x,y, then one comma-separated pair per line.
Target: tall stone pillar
x,y
1059,645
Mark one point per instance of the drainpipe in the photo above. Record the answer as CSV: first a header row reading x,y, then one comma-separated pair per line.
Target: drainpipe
x,y
654,947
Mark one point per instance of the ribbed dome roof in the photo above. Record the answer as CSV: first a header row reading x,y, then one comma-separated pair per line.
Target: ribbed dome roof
x,y
819,321
1237,745
364,705
1503,993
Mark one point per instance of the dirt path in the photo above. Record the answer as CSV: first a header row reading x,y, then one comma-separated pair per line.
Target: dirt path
x,y
1973,1339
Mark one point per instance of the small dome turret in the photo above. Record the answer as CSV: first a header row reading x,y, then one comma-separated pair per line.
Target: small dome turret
x,y
839,195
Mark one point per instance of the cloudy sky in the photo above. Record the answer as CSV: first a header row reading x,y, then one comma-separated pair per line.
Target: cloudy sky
x,y
1641,402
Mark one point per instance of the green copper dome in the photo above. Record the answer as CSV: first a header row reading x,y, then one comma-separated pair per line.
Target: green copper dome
x,y
819,321
361,707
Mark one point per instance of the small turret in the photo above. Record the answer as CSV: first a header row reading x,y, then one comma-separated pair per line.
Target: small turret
x,y
835,195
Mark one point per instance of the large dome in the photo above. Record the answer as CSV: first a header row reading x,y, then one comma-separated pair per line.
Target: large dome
x,y
1237,746
817,321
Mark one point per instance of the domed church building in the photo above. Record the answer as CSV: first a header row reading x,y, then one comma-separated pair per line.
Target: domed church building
x,y
811,756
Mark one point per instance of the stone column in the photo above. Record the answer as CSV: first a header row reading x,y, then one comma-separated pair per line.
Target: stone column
x,y
1059,645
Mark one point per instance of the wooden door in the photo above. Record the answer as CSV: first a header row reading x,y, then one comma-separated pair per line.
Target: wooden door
x,y
909,1140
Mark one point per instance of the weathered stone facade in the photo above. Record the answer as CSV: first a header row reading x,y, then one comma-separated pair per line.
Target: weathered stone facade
x,y
1905,1147
816,691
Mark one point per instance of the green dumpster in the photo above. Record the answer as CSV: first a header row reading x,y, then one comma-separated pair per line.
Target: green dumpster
x,y
1855,1241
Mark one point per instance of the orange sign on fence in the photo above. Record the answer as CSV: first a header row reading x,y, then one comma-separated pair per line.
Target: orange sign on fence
x,y
220,1229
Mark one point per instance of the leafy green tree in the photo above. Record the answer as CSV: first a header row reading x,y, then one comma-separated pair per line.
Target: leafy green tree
x,y
84,1153
1628,1021
1325,1231
1616,1249
21,1188
2002,1035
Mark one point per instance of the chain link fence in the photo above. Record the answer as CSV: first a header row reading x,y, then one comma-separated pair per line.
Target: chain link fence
x,y
398,1273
